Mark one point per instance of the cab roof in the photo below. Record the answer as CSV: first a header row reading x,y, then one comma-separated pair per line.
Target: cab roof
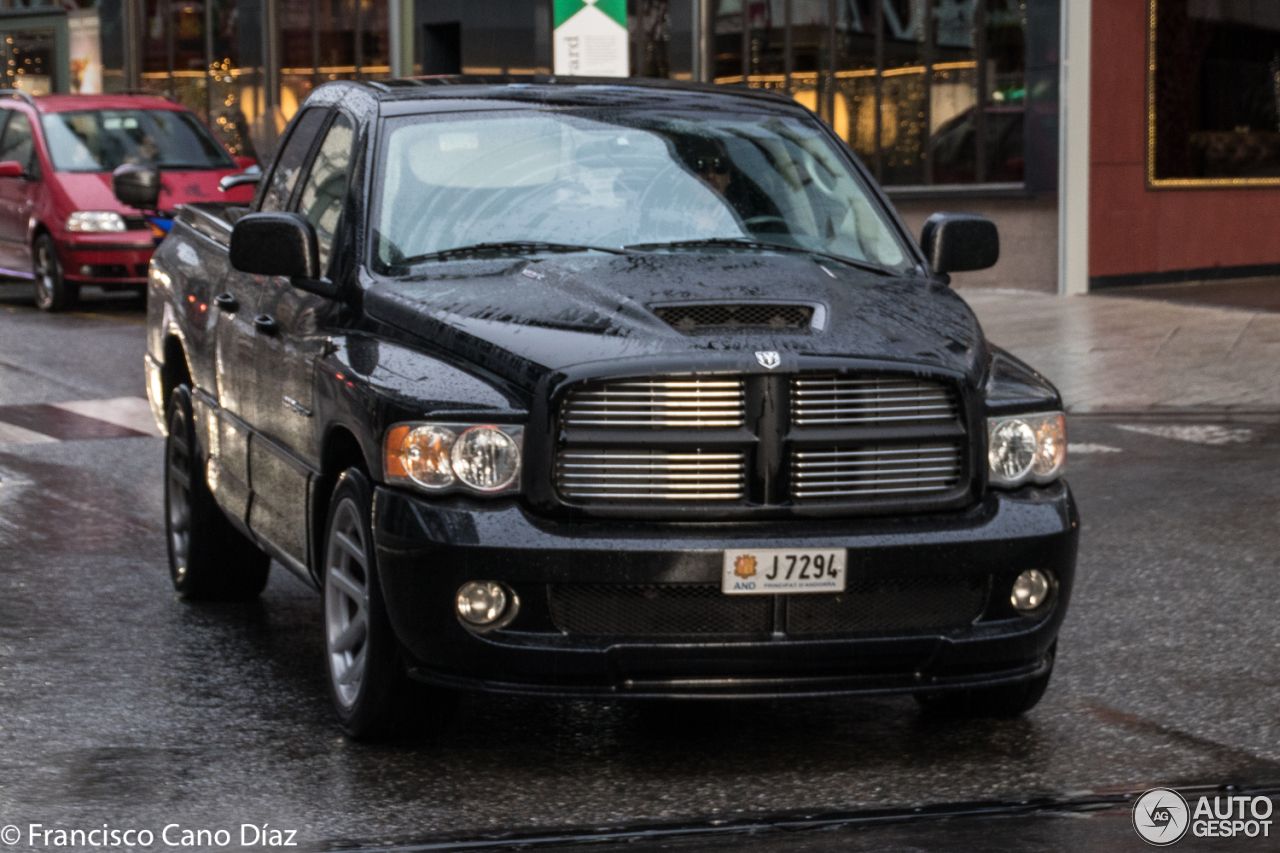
x,y
550,89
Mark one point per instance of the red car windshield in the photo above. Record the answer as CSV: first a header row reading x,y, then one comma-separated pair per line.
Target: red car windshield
x,y
101,140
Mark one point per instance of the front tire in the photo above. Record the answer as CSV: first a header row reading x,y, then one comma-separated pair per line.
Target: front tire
x,y
53,291
372,695
209,559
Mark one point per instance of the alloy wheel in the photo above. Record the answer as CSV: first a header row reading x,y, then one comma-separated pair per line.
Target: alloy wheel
x,y
346,602
45,276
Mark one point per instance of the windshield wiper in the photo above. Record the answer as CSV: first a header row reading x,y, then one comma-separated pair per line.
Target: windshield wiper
x,y
516,247
747,243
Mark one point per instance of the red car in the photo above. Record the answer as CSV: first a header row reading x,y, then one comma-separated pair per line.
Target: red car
x,y
60,223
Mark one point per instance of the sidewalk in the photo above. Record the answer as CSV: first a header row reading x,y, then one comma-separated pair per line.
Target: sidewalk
x,y
1113,354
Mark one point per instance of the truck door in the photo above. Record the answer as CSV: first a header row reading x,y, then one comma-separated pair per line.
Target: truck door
x,y
235,337
233,353
286,357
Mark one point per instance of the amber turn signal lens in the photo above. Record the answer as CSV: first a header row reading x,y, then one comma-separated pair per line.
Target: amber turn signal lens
x,y
393,452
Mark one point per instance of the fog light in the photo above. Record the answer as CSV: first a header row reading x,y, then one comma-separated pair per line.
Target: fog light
x,y
1030,590
485,604
85,269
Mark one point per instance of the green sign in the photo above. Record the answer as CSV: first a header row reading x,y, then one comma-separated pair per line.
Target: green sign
x,y
590,38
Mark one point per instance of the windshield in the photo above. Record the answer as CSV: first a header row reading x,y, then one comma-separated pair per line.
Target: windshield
x,y
101,140
613,178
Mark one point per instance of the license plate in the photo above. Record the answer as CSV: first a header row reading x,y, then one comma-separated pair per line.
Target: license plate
x,y
769,571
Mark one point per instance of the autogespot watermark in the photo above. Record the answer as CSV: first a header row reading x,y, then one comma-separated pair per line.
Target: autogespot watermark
x,y
1162,816
39,835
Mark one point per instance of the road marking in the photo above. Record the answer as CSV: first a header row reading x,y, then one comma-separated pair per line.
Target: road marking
x,y
1087,447
122,417
129,412
1210,434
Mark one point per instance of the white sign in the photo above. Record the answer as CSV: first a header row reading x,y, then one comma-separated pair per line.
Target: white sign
x,y
590,38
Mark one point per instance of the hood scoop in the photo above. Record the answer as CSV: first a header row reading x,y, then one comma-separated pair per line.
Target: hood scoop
x,y
719,316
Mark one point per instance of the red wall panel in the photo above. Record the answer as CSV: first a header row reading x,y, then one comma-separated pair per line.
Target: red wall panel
x,y
1132,229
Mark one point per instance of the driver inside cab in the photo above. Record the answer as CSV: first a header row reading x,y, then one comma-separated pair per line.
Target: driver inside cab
x,y
710,161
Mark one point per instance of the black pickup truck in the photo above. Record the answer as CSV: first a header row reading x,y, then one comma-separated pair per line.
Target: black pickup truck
x,y
605,388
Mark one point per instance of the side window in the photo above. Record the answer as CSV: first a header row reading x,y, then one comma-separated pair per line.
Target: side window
x,y
16,142
326,185
288,164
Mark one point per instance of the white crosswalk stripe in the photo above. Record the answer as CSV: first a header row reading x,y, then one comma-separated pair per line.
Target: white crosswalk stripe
x,y
130,412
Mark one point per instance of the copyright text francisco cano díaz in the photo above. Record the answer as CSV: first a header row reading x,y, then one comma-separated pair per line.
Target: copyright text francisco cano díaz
x,y
173,835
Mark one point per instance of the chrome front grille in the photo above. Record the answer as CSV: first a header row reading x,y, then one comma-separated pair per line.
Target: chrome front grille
x,y
889,471
670,403
837,400
737,445
650,475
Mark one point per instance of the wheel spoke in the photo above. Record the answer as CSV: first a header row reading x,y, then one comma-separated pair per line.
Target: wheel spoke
x,y
180,477
352,636
354,670
347,585
351,546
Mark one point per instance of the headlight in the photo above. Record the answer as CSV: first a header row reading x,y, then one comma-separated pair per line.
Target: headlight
x,y
1026,448
479,457
486,458
95,221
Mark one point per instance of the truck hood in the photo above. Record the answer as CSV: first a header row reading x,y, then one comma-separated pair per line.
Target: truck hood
x,y
521,318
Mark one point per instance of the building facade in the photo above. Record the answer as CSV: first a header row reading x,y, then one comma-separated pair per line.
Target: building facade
x,y
950,103
1184,147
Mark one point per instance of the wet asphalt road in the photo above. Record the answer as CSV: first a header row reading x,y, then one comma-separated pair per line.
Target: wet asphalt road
x,y
120,704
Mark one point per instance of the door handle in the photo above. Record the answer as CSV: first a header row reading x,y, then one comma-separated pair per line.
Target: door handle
x,y
266,324
226,302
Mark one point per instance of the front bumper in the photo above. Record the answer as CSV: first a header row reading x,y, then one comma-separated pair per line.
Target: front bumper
x,y
107,259
427,549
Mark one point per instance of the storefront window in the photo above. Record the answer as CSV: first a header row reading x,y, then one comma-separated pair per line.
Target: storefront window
x,y
299,54
375,39
1214,111
190,86
155,46
729,59
210,56
854,105
236,102
27,59
924,91
649,28
336,35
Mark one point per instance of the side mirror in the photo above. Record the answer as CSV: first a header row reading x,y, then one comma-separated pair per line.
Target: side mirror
x,y
137,186
280,244
11,169
959,242
275,244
